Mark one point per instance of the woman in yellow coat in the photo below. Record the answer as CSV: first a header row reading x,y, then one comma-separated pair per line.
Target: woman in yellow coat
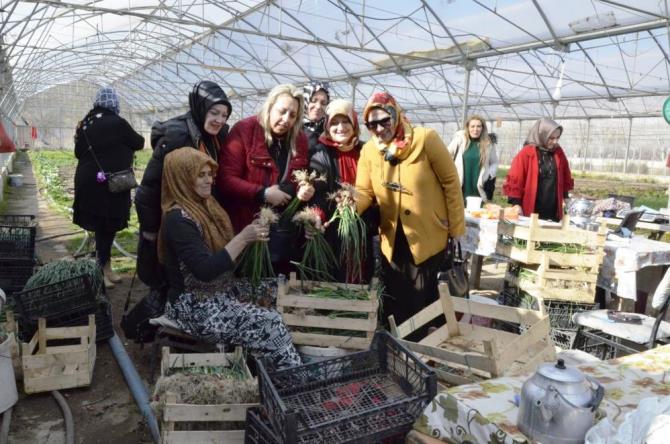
x,y
411,175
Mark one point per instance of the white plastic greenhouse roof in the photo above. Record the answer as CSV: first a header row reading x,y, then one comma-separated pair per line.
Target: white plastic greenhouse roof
x,y
586,58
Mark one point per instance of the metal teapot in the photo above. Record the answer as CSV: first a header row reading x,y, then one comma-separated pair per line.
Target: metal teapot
x,y
558,404
580,211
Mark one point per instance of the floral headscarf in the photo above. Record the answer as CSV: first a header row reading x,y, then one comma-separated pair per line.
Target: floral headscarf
x,y
401,144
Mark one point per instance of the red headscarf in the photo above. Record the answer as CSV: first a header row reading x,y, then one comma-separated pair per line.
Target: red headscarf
x,y
401,144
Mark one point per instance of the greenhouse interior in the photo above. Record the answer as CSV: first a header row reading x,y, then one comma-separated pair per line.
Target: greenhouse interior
x,y
420,221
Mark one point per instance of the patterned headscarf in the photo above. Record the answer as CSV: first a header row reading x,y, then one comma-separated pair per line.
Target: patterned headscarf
x,y
540,132
180,169
108,99
401,144
308,91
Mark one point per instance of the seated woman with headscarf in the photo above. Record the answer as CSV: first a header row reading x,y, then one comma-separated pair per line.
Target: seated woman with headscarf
x,y
198,249
539,178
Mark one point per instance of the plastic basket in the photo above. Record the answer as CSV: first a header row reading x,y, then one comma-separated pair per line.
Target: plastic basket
x,y
14,273
17,237
62,303
258,429
560,313
368,395
564,339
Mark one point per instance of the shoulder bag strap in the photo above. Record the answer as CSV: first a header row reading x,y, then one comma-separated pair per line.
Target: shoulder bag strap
x,y
90,149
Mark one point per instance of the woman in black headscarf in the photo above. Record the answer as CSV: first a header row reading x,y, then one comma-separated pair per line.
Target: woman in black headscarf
x,y
104,142
204,128
316,99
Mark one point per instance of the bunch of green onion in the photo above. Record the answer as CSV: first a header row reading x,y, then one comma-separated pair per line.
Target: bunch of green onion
x,y
302,178
255,263
351,230
318,259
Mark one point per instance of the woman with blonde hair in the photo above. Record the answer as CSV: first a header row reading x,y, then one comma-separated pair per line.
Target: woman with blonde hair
x,y
259,156
474,154
257,161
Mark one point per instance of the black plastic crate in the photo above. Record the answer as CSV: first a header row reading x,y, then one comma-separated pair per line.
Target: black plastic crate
x,y
258,429
17,236
368,395
65,302
14,273
560,313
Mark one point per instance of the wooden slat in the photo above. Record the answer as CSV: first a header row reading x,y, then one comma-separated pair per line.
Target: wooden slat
x,y
301,301
186,360
203,437
205,412
66,332
509,350
500,312
321,340
341,323
476,360
448,309
420,319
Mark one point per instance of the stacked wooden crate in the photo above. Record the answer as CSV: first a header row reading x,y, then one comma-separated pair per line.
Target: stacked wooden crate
x,y
556,264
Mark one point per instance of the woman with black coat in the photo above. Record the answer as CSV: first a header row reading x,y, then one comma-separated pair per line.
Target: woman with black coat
x,y
103,137
335,157
204,128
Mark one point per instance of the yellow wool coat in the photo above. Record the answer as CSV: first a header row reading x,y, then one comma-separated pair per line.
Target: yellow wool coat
x,y
429,174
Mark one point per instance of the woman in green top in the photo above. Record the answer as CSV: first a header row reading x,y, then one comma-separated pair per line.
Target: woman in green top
x,y
474,154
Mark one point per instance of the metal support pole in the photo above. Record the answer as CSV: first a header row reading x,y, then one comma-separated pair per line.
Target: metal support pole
x,y
588,140
466,94
630,128
353,92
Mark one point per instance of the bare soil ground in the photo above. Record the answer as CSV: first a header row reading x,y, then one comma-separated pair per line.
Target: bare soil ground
x,y
105,412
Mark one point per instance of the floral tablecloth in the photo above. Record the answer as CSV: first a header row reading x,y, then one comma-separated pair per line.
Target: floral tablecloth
x,y
624,258
485,412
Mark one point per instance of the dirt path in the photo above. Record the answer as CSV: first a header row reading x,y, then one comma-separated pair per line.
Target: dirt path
x,y
105,412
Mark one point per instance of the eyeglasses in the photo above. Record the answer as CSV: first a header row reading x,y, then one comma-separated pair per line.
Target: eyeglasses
x,y
373,124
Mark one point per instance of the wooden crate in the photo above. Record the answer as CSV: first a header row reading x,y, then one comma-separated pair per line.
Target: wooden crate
x,y
462,353
175,412
295,303
564,234
47,368
562,284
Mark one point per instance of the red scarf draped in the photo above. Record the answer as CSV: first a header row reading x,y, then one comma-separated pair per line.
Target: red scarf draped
x,y
346,160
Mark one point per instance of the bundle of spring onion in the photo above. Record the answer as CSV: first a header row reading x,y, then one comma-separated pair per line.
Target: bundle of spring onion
x,y
63,269
318,259
254,262
351,230
302,178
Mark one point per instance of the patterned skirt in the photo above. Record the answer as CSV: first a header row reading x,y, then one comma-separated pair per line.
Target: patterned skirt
x,y
222,318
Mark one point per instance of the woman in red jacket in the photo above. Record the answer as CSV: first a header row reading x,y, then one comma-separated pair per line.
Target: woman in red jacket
x,y
259,155
539,178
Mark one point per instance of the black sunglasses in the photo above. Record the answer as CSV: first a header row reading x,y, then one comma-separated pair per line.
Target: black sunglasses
x,y
372,125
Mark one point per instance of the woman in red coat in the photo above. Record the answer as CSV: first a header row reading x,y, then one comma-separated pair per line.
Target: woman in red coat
x,y
539,178
259,156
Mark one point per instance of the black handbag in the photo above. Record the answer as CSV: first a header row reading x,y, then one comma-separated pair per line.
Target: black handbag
x,y
490,187
454,271
118,182
135,323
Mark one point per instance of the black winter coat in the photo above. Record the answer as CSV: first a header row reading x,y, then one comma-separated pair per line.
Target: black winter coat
x,y
166,136
114,142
